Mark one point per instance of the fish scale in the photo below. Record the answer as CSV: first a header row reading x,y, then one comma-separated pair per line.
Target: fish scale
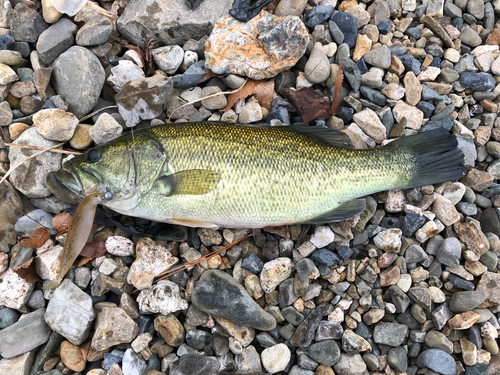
x,y
267,176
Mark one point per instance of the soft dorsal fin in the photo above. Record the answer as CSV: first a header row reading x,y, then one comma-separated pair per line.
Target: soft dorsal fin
x,y
326,136
345,211
192,182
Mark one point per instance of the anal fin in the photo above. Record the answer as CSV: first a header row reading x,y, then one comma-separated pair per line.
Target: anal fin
x,y
344,211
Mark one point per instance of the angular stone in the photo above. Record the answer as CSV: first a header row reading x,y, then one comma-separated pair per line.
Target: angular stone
x,y
70,312
25,335
163,297
8,218
259,49
26,24
445,210
390,334
170,329
350,365
354,344
370,123
95,32
390,276
219,294
379,57
471,234
55,40
466,300
490,284
413,115
123,73
7,75
55,124
464,320
274,272
14,290
143,98
19,365
113,327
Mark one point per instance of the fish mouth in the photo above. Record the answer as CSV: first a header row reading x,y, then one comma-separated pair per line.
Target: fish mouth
x,y
79,181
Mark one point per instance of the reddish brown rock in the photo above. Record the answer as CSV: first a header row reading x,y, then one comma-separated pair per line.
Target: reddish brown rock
x,y
464,320
390,276
493,37
72,357
259,49
386,259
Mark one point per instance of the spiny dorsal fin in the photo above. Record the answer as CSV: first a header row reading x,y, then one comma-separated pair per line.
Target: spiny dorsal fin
x,y
192,182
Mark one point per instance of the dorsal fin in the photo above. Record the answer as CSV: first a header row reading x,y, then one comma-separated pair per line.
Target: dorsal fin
x,y
326,136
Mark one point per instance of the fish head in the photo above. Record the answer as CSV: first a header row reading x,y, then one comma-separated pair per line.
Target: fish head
x,y
99,170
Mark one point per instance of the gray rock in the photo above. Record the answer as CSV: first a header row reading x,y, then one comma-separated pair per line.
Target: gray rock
x,y
219,294
391,334
379,57
466,300
397,358
440,315
143,20
325,352
26,24
477,81
36,168
25,335
350,365
168,58
317,68
470,37
70,312
466,145
8,216
449,252
46,351
191,76
143,98
438,361
96,31
78,77
133,363
415,254
55,40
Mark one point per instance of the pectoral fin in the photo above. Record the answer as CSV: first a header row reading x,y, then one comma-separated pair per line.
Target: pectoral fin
x,y
191,182
344,211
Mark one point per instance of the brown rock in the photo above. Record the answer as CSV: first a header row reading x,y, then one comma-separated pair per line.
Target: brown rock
x,y
346,4
464,320
16,129
482,135
397,66
72,357
390,276
471,234
413,88
244,335
373,316
490,283
41,79
469,351
413,115
322,369
476,268
363,45
489,106
386,259
259,49
493,37
440,88
22,89
169,327
113,327
55,124
445,210
477,180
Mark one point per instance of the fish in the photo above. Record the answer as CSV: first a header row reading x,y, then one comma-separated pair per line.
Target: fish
x,y
210,174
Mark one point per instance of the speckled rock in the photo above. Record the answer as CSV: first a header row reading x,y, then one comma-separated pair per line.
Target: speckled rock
x,y
259,52
274,272
113,327
163,297
55,124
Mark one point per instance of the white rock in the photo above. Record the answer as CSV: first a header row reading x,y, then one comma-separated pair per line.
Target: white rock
x,y
370,123
274,272
190,58
322,236
168,58
413,115
55,124
275,358
495,67
429,74
7,75
389,240
163,297
251,112
70,7
120,246
487,48
485,61
108,266
124,72
451,54
105,129
404,282
14,290
47,263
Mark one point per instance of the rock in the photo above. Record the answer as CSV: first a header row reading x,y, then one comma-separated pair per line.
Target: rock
x,y
69,7
25,335
445,211
390,276
195,365
8,218
350,365
317,68
274,272
142,21
47,263
151,260
70,312
96,31
490,284
413,89
113,327
397,358
449,252
163,297
413,115
477,81
436,340
215,102
26,24
72,357
464,320
170,329
389,240
21,89
326,352
55,40
14,290
264,48
168,58
470,233
19,365
275,358
55,124
438,361
120,246
379,57
391,334
123,73
133,363
354,344
218,294
78,77
41,79
7,75
105,129
370,123
143,98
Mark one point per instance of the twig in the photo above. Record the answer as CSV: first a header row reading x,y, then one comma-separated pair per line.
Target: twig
x,y
209,96
96,112
41,148
166,274
28,158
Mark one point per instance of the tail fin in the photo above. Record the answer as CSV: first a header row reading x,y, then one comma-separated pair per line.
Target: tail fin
x,y
436,157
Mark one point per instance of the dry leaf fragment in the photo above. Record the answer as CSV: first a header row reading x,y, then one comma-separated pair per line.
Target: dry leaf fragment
x,y
247,90
27,271
308,103
93,249
336,92
265,94
37,238
62,222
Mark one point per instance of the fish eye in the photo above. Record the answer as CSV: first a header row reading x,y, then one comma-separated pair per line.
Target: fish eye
x,y
94,155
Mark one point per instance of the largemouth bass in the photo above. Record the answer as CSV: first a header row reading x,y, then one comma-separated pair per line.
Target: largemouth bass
x,y
225,175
